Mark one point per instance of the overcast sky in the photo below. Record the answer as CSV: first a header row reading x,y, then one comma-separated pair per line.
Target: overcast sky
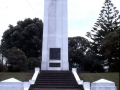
x,y
82,14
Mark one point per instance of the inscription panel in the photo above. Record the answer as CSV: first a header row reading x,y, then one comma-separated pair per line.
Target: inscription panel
x,y
54,54
54,64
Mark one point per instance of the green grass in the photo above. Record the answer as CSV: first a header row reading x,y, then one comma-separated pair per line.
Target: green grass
x,y
91,77
20,76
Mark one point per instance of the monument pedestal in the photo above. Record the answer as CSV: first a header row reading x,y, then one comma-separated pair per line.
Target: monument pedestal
x,y
55,36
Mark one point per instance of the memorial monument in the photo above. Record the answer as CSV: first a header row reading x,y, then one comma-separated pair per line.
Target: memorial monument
x,y
55,36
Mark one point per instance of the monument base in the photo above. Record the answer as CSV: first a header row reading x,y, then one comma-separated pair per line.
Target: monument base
x,y
55,66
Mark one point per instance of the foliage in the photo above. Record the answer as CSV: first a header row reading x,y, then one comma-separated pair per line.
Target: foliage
x,y
110,48
26,35
0,65
33,62
108,21
1,62
92,63
77,47
0,49
80,55
16,59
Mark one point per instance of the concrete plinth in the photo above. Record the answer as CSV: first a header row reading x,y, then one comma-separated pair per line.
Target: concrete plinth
x,y
55,36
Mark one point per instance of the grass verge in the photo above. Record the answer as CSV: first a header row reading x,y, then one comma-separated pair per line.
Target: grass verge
x,y
91,77
88,77
20,76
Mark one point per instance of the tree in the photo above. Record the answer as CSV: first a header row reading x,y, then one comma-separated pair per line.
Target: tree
x,y
0,49
26,35
81,56
33,62
1,65
1,59
108,21
110,48
77,47
16,59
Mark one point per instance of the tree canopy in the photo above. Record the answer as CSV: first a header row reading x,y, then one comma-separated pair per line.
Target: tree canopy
x,y
16,59
77,48
26,36
21,42
81,56
110,48
108,21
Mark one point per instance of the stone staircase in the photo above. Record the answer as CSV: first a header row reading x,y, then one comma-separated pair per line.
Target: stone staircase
x,y
56,80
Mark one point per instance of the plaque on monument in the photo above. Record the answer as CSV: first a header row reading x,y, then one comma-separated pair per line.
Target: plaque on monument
x,y
54,64
54,54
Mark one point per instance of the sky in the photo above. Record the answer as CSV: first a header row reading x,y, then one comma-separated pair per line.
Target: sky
x,y
82,14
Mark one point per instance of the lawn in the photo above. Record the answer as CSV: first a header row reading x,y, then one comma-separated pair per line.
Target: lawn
x,y
91,77
19,76
88,77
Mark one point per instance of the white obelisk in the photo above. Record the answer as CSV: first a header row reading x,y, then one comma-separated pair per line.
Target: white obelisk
x,y
55,36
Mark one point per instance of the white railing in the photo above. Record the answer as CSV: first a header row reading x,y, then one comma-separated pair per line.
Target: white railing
x,y
37,71
74,71
86,85
32,81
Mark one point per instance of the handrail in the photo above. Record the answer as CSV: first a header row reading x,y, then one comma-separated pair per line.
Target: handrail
x,y
37,71
74,71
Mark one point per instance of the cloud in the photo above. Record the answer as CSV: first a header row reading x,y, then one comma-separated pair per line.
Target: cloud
x,y
12,11
82,14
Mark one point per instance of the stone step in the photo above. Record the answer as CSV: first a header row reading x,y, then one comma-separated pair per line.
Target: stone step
x,y
53,86
55,83
65,81
56,80
53,89
55,77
